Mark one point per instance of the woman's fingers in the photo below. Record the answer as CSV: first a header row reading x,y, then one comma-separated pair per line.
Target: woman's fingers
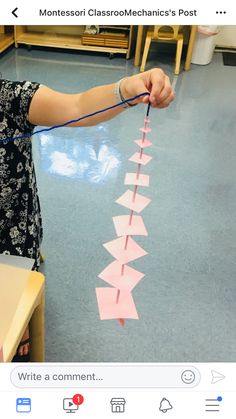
x,y
162,95
155,82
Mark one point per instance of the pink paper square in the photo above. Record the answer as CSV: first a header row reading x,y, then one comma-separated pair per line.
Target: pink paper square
x,y
121,276
145,130
137,205
110,309
123,228
117,249
143,144
132,179
145,159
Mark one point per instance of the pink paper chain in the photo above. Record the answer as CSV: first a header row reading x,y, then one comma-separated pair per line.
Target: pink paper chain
x,y
117,302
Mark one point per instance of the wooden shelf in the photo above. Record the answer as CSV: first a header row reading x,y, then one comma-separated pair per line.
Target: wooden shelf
x,y
115,27
69,41
115,40
6,39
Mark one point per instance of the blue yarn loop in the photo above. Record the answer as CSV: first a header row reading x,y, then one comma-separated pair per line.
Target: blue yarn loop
x,y
20,137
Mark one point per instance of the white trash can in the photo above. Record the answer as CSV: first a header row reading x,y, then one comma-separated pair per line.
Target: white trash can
x,y
204,45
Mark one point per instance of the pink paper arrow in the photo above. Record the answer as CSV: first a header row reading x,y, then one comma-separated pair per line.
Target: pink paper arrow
x,y
125,227
138,204
109,308
121,276
125,250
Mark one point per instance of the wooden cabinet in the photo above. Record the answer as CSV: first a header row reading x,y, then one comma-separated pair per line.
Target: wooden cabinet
x,y
111,39
6,37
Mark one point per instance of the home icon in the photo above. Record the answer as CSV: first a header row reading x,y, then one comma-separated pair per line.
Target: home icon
x,y
118,405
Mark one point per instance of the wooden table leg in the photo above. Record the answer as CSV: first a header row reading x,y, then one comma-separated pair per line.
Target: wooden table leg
x,y
138,45
37,333
190,47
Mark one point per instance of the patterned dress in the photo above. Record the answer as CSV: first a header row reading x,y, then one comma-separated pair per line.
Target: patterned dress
x,y
20,217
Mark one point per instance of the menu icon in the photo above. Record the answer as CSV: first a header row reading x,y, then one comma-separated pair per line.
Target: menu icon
x,y
213,405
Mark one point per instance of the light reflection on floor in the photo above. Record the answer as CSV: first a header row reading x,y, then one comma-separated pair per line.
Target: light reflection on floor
x,y
90,160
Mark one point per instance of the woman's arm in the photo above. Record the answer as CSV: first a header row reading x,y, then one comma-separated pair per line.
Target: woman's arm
x,y
49,107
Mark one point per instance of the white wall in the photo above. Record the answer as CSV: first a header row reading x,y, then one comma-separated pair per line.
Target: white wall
x,y
227,37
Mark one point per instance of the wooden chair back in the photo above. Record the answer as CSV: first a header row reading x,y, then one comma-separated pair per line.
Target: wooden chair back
x,y
166,32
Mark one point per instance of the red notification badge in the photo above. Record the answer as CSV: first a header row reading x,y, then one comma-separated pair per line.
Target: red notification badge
x,y
78,399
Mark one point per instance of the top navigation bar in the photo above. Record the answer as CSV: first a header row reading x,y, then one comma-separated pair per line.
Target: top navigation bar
x,y
91,12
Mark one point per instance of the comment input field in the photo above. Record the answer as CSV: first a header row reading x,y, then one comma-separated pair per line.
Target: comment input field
x,y
106,376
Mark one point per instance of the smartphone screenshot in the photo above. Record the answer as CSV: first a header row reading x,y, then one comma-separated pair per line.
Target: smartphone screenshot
x,y
117,210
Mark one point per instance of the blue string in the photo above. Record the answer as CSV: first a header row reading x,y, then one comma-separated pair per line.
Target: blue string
x,y
20,137
148,109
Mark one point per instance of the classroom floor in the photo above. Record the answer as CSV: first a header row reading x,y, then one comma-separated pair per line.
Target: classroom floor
x,y
187,299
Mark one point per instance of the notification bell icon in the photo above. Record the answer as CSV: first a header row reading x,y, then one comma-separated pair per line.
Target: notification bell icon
x,y
165,405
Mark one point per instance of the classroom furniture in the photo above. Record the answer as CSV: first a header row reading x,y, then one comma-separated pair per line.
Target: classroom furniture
x,y
6,37
140,41
111,39
21,303
164,34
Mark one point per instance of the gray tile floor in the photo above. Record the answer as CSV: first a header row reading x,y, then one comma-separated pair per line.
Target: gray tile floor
x,y
187,300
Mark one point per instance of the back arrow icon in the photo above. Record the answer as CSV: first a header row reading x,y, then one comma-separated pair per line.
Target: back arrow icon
x,y
216,376
14,12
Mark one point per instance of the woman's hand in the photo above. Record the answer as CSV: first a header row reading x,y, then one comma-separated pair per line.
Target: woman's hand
x,y
155,82
49,107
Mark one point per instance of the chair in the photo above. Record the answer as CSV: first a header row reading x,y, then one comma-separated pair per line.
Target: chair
x,y
164,34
